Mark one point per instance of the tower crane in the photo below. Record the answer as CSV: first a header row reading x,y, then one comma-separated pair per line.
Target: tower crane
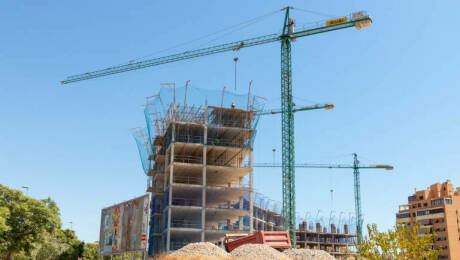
x,y
356,178
357,20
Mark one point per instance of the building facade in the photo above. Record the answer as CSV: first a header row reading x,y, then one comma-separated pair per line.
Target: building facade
x,y
436,210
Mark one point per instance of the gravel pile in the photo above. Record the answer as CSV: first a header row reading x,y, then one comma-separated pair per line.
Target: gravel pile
x,y
204,249
257,252
307,254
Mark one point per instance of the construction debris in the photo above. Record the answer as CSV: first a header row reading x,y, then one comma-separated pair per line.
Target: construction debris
x,y
257,252
307,254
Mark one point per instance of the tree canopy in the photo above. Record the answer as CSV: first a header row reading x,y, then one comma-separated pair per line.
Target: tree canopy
x,y
404,242
31,229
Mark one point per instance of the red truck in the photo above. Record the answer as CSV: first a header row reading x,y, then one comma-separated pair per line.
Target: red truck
x,y
275,239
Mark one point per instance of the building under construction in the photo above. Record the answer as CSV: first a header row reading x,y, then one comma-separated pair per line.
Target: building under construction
x,y
334,240
198,159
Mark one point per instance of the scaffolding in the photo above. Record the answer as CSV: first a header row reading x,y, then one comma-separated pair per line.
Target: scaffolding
x,y
336,235
197,153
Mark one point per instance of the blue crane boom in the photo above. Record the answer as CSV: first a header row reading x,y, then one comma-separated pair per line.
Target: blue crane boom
x,y
357,19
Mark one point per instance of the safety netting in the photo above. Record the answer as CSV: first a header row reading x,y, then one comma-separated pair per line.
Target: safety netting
x,y
219,108
144,147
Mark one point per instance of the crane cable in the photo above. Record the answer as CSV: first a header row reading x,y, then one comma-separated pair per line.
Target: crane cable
x,y
233,28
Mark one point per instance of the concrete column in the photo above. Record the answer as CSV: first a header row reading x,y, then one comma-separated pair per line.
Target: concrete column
x,y
240,219
170,198
251,192
203,196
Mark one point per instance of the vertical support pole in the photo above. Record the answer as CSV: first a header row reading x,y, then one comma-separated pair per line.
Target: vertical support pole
x,y
171,177
357,183
251,190
287,131
205,149
241,203
251,172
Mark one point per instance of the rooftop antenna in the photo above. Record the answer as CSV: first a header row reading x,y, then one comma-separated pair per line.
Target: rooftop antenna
x,y
222,100
236,61
274,155
332,199
249,94
185,98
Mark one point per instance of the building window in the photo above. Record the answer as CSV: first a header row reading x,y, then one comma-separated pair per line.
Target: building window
x,y
420,198
412,198
437,202
403,215
413,214
423,213
425,204
428,212
449,201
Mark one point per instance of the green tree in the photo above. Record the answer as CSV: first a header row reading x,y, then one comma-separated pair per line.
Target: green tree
x,y
27,221
49,248
74,246
91,252
404,242
4,214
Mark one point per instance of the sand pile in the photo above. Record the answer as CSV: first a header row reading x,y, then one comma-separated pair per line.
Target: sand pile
x,y
257,252
307,254
203,249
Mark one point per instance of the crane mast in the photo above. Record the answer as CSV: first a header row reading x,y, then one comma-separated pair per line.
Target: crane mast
x,y
357,19
287,129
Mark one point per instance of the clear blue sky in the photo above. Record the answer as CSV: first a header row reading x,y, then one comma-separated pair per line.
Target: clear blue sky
x,y
395,86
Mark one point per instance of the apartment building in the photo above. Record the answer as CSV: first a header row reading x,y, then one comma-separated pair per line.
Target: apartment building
x,y
437,210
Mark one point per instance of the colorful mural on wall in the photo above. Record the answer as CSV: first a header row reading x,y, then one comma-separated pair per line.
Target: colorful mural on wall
x,y
124,227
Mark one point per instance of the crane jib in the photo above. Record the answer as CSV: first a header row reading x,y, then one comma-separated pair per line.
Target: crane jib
x,y
233,46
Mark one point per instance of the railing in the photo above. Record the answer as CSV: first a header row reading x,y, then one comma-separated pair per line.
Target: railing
x,y
189,139
229,142
225,206
184,223
188,159
233,184
188,180
235,162
186,202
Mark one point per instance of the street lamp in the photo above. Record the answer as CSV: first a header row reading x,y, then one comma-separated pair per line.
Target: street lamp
x,y
27,189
